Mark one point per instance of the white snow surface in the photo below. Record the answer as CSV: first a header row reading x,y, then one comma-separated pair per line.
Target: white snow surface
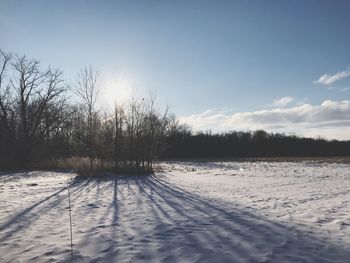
x,y
190,212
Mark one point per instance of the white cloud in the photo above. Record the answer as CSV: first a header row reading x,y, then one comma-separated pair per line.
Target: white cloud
x,y
283,102
329,79
331,120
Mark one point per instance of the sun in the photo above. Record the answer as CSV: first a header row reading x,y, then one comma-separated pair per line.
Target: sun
x,y
118,90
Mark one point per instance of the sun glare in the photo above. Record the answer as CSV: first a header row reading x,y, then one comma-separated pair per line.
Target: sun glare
x,y
118,90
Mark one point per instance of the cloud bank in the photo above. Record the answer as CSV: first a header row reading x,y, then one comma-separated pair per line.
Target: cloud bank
x,y
329,79
330,119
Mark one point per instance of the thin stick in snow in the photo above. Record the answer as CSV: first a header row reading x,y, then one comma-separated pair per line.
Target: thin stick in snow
x,y
70,222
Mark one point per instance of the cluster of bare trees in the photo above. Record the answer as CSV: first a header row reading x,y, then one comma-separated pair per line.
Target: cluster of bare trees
x,y
38,122
129,135
32,108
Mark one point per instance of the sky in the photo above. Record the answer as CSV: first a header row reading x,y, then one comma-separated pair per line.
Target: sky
x,y
282,66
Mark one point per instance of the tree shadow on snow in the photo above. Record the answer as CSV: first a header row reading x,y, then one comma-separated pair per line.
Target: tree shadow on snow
x,y
23,219
154,221
150,220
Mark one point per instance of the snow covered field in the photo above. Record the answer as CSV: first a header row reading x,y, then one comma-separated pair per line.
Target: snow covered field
x,y
191,212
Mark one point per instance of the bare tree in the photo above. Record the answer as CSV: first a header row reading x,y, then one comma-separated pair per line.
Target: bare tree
x,y
5,60
6,116
39,101
156,126
119,117
87,89
32,104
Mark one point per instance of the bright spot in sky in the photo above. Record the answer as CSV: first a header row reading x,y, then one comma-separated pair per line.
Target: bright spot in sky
x,y
118,89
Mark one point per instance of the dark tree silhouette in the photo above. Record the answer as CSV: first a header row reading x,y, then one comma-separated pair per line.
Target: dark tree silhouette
x,y
33,107
183,144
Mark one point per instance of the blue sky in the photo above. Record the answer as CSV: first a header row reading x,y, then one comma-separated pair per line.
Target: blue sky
x,y
203,58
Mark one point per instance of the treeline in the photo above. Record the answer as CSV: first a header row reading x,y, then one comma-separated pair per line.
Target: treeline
x,y
38,122
183,144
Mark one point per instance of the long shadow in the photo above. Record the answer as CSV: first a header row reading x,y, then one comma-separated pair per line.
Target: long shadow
x,y
204,230
18,216
13,176
196,215
23,219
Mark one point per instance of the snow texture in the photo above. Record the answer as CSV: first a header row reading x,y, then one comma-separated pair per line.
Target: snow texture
x,y
190,212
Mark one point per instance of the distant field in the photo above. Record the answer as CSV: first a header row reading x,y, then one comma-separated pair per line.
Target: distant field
x,y
329,159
